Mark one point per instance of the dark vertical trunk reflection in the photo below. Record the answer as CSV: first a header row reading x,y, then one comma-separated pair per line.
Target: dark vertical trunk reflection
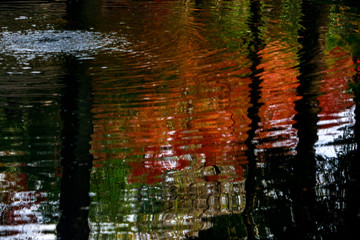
x,y
353,196
82,14
304,168
75,157
77,129
253,114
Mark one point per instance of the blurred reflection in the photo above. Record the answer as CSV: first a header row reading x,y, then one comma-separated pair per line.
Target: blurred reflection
x,y
255,22
29,154
336,103
352,199
206,119
171,114
75,157
21,207
29,139
304,167
279,83
172,127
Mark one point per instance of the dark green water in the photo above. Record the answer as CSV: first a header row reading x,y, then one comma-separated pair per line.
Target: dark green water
x,y
179,119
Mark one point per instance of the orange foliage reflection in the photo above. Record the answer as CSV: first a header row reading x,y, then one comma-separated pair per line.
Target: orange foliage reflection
x,y
189,100
199,129
336,99
279,83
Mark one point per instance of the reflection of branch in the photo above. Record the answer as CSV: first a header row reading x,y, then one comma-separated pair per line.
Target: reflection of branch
x,y
253,114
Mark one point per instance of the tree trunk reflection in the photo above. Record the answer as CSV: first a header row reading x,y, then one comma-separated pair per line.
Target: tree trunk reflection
x,y
304,167
75,157
353,197
253,114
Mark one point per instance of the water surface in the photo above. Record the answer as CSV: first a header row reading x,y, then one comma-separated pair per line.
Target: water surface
x,y
179,119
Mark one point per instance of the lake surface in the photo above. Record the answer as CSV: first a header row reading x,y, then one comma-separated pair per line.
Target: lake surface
x,y
204,119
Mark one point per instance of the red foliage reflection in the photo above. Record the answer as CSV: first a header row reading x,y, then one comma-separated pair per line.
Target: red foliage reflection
x,y
336,98
279,83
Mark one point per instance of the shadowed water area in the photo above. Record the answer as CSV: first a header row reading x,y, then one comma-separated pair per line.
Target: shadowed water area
x,y
203,119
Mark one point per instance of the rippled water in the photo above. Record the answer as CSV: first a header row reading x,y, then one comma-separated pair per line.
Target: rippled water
x,y
33,44
179,119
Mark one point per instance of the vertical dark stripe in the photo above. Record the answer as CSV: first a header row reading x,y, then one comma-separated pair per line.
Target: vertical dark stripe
x,y
314,21
75,157
253,114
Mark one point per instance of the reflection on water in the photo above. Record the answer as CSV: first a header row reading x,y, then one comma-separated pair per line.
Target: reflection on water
x,y
30,148
337,115
31,44
279,83
196,119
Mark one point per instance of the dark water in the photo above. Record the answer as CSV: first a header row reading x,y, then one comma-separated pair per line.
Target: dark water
x,y
179,119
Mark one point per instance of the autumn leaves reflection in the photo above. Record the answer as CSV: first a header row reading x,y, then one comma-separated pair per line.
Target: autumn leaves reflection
x,y
185,117
229,117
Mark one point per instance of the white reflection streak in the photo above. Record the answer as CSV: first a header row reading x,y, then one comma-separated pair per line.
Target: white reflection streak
x,y
328,135
30,231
